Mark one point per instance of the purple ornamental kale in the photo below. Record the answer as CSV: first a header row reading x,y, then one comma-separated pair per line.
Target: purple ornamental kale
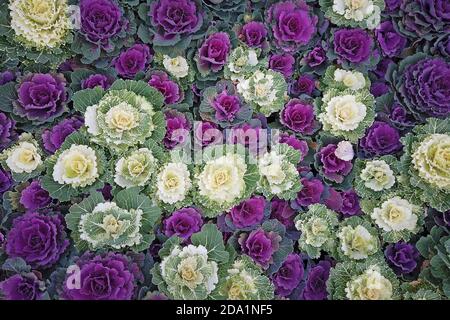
x,y
353,45
226,106
260,245
22,287
177,129
34,197
310,193
133,60
183,223
333,167
380,139
253,34
108,276
170,89
213,54
293,24
38,239
402,257
248,213
299,116
316,283
288,277
53,138
101,20
41,97
173,20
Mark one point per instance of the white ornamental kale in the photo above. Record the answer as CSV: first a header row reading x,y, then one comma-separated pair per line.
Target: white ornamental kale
x,y
427,162
370,279
177,67
24,157
395,214
124,223
222,179
346,113
278,172
120,120
357,239
242,63
370,285
110,226
353,9
431,159
225,180
264,90
377,175
41,24
343,113
354,80
189,273
341,80
244,280
353,13
318,230
173,183
135,169
128,114
76,166
398,216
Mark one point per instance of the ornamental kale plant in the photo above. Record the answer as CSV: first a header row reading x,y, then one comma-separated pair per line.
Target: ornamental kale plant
x,y
224,149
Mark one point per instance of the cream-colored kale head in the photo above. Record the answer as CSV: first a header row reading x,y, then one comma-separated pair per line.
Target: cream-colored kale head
x,y
109,226
316,231
377,175
396,214
371,285
356,10
351,79
222,179
76,166
357,242
343,113
177,67
24,157
317,227
242,62
265,91
135,169
188,273
120,120
40,23
278,175
173,182
245,281
431,159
